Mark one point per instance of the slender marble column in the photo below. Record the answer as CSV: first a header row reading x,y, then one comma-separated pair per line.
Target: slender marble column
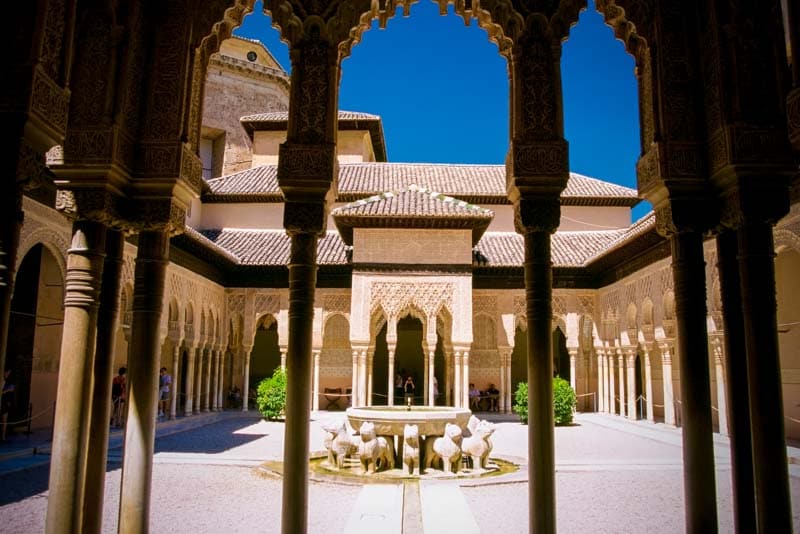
x,y
700,491
362,377
148,295
448,380
631,361
107,318
426,381
502,382
539,306
744,499
666,373
612,393
759,307
354,400
74,394
601,385
573,354
390,378
246,378
208,368
370,356
198,379
176,373
431,376
465,377
457,382
648,378
720,376
315,401
302,281
188,376
621,370
214,380
221,389
510,390
283,358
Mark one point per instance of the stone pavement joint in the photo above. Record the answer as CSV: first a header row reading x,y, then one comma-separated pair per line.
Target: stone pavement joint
x,y
379,508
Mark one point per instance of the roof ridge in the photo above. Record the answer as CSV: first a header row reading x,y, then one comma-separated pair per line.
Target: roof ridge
x,y
414,188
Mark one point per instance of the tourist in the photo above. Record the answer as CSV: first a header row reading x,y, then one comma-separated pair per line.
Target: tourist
x,y
164,383
7,403
408,388
474,397
494,394
435,390
118,393
398,385
234,396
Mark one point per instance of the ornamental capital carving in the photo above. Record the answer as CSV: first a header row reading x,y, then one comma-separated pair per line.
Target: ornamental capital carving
x,y
540,166
31,168
158,160
98,205
305,217
686,214
156,215
306,170
756,200
541,214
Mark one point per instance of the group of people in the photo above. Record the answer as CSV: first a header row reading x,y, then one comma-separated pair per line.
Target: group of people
x,y
119,394
491,393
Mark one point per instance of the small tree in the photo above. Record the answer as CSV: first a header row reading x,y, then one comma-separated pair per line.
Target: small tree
x,y
563,402
271,397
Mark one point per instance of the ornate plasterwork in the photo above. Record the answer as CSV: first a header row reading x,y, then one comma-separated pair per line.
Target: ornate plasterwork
x,y
46,226
484,304
337,303
394,297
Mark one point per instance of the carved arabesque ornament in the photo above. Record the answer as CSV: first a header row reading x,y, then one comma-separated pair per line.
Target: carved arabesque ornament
x,y
429,297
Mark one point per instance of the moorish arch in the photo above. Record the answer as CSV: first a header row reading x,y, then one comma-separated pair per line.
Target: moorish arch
x,y
266,355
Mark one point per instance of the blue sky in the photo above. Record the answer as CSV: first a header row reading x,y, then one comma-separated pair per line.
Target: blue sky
x,y
442,90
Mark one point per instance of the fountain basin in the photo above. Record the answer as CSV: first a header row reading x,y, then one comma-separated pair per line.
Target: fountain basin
x,y
391,420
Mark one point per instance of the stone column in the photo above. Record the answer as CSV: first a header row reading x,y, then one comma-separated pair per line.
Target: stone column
x,y
648,388
370,356
457,382
148,296
354,400
208,370
107,318
188,376
465,377
248,351
198,378
720,376
759,310
176,371
362,377
621,370
666,373
739,427
426,380
573,355
510,392
390,373
315,400
601,386
612,393
632,400
688,272
448,377
221,391
431,376
73,402
503,385
214,380
283,358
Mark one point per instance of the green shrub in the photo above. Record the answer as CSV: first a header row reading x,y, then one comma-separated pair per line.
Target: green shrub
x,y
563,401
271,396
521,402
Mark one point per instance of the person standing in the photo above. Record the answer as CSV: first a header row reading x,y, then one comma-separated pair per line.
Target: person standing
x,y
119,387
164,383
409,388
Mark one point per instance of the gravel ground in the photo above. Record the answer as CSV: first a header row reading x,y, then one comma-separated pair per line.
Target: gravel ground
x,y
608,480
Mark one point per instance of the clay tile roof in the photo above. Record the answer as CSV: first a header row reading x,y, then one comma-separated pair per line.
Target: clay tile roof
x,y
412,207
271,247
476,184
569,249
283,116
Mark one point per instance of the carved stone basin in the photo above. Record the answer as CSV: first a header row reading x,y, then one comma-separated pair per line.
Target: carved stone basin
x,y
391,420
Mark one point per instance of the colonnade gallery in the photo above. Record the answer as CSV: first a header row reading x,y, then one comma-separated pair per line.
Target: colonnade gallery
x,y
419,269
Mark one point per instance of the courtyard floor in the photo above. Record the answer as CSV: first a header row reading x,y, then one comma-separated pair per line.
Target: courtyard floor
x,y
612,476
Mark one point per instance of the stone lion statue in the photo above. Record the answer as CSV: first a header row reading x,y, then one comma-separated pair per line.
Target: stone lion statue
x,y
339,442
446,448
479,444
375,452
410,449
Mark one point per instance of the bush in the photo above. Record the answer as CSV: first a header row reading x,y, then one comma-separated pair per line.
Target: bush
x,y
271,396
521,402
563,401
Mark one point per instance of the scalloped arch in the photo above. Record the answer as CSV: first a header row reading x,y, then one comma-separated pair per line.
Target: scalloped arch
x,y
55,243
628,26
